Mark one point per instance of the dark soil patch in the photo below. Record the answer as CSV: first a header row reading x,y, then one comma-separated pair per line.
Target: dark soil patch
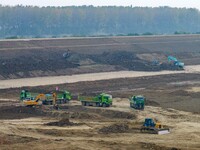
x,y
61,123
60,56
130,61
38,60
20,112
13,139
115,128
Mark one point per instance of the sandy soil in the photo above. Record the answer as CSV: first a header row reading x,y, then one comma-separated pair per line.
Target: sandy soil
x,y
172,96
13,83
33,133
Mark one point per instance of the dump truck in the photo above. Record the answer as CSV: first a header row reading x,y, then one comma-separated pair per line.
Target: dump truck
x,y
137,102
150,126
62,97
101,100
26,95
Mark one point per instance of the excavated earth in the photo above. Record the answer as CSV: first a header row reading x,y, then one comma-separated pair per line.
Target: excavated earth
x,y
52,57
173,99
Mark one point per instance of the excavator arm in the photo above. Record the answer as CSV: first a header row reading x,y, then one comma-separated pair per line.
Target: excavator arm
x,y
35,101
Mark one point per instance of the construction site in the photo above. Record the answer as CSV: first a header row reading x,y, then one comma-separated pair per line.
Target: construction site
x,y
100,93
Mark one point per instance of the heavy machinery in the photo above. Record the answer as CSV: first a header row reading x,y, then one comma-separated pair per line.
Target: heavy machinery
x,y
39,97
26,95
101,100
175,62
35,101
137,102
61,98
150,126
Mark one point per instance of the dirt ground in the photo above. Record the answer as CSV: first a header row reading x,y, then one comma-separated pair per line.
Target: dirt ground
x,y
173,98
52,57
86,128
178,91
38,81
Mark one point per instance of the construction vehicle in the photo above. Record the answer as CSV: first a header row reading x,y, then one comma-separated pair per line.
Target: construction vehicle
x,y
26,95
62,97
150,126
137,102
39,97
173,60
35,101
101,100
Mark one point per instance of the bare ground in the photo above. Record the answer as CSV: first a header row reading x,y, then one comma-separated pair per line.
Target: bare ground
x,y
49,57
96,129
116,127
173,99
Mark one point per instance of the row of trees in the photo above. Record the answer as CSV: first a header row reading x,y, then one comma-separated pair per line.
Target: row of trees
x,y
29,21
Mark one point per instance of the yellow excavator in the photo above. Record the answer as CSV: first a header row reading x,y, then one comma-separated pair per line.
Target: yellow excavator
x,y
150,126
39,97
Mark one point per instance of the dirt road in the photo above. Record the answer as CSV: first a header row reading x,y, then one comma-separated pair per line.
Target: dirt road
x,y
13,83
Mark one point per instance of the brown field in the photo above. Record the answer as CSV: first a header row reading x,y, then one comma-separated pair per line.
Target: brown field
x,y
44,57
173,99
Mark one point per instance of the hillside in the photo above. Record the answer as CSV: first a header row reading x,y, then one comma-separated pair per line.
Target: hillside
x,y
66,56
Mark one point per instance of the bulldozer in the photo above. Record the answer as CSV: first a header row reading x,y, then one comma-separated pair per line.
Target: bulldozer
x,y
150,126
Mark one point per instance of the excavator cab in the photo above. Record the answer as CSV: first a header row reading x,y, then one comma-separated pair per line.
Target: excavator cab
x,y
34,102
149,122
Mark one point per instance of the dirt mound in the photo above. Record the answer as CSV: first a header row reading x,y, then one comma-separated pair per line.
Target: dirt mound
x,y
20,112
61,123
115,128
34,63
129,60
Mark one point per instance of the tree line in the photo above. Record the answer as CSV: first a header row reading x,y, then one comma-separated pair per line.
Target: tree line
x,y
30,21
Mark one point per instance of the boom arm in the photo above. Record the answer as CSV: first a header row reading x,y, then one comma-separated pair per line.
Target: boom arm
x,y
35,101
38,97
